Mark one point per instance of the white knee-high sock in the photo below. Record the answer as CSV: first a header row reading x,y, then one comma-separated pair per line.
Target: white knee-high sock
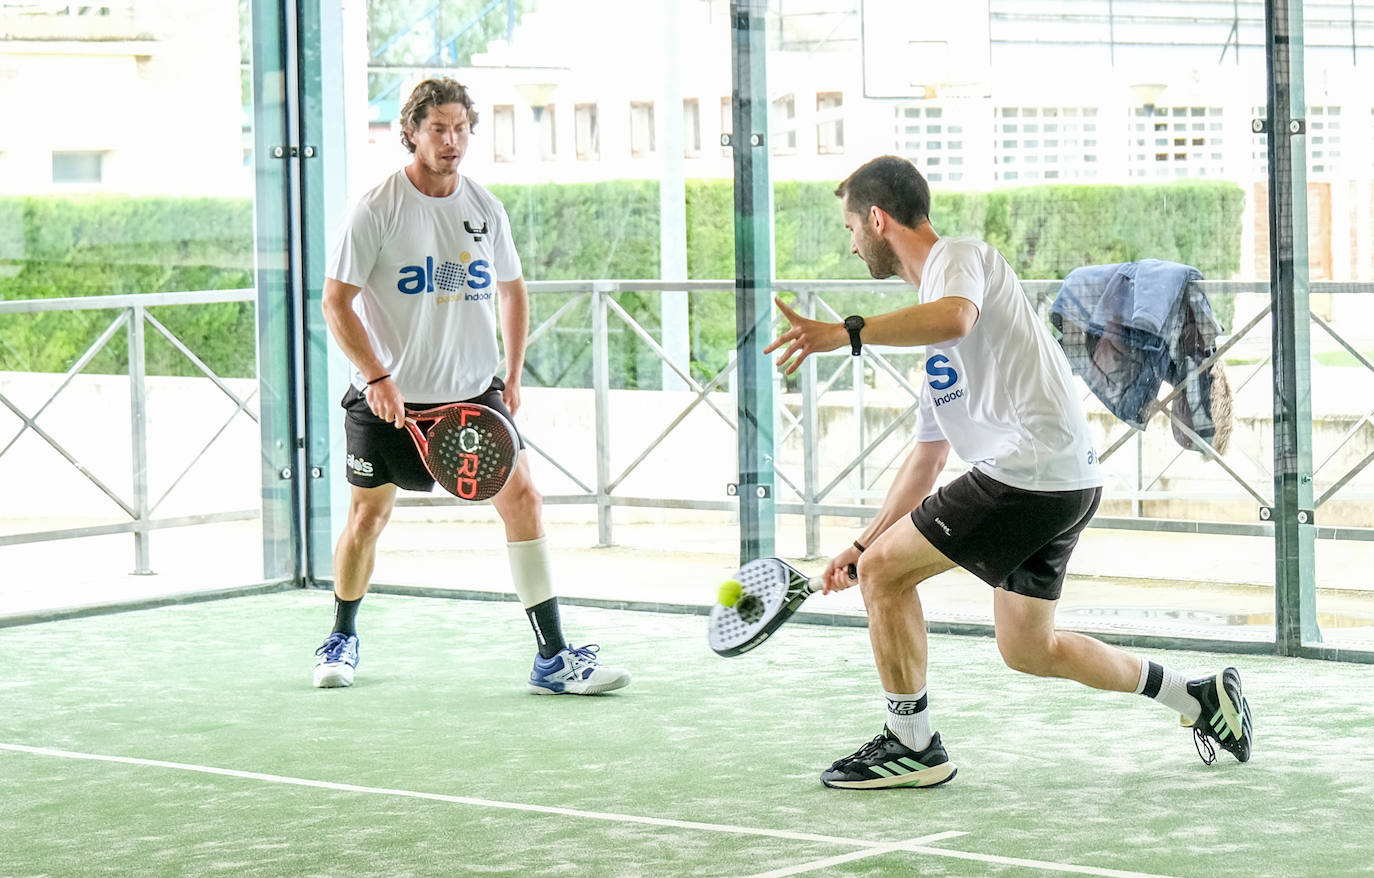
x,y
531,571
532,576
1168,687
909,719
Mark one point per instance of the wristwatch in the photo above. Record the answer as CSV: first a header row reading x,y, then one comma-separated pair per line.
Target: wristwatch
x,y
854,323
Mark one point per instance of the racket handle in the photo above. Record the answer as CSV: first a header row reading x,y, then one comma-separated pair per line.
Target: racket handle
x,y
817,583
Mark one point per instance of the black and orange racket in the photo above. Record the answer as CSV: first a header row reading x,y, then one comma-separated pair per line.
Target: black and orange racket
x,y
470,449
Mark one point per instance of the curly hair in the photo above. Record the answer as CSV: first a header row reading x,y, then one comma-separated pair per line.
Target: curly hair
x,y
433,93
892,183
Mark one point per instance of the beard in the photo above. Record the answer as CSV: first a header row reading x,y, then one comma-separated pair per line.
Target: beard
x,y
881,260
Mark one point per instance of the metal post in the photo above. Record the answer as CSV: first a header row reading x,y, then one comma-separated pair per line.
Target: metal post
x,y
810,442
1139,473
1295,609
753,277
672,209
322,200
860,424
276,149
601,389
138,418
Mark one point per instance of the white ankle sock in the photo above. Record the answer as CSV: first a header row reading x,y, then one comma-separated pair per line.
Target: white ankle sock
x,y
909,719
1168,687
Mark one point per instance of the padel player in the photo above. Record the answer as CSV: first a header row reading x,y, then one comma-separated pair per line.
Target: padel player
x,y
998,391
409,297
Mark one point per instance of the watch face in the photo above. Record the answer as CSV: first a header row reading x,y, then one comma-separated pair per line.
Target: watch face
x,y
854,322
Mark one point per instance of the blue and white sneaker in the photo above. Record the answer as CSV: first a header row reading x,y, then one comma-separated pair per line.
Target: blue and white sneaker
x,y
575,671
338,658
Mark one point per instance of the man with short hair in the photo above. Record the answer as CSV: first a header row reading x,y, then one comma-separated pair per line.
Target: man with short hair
x,y
409,299
999,392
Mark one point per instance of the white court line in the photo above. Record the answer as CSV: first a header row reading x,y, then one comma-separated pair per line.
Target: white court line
x,y
855,855
881,846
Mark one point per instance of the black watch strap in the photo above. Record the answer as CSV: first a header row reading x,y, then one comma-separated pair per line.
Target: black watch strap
x,y
854,324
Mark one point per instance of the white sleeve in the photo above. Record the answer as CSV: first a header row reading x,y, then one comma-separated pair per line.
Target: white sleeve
x,y
356,251
963,275
927,429
505,260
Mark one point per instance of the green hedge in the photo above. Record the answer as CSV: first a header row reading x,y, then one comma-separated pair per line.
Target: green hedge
x,y
52,247
107,245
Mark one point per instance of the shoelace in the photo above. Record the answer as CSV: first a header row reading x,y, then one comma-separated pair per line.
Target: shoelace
x,y
867,751
584,655
332,648
1201,743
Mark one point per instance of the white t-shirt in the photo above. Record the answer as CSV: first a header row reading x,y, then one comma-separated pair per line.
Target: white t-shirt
x,y
1003,394
428,269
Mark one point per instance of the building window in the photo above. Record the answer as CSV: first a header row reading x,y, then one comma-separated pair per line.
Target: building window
x,y
829,123
641,128
586,132
783,123
503,132
691,128
78,167
544,119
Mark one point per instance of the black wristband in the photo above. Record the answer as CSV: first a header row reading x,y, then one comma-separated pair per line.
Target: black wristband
x,y
860,547
379,379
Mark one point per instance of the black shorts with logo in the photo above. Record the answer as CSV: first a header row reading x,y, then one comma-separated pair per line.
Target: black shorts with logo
x,y
1008,537
380,454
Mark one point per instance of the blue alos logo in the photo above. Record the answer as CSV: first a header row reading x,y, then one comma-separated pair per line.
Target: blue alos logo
x,y
447,277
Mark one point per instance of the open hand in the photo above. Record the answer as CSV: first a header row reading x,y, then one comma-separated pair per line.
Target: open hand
x,y
806,337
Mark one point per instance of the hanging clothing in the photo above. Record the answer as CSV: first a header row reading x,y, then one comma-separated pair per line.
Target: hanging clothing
x,y
1129,327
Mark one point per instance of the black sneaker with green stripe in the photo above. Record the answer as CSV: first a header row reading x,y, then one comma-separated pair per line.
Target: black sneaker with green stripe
x,y
886,762
1225,716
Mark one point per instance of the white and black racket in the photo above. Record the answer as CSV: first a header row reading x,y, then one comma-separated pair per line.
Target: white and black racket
x,y
750,607
470,449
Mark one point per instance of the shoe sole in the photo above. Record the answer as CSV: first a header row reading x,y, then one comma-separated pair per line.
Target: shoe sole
x,y
1229,713
333,678
927,777
589,689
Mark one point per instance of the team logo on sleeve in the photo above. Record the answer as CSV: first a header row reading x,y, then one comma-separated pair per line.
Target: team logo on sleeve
x,y
943,377
449,278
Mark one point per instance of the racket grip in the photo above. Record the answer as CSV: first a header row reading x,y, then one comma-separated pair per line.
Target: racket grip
x,y
817,583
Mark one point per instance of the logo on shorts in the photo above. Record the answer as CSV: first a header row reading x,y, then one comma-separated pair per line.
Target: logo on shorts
x,y
359,466
944,527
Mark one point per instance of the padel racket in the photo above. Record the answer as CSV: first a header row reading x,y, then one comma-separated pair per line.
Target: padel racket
x,y
469,449
770,590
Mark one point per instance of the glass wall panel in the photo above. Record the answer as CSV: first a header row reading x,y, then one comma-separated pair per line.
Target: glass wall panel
x,y
129,442
1339,114
593,132
1066,140
1067,136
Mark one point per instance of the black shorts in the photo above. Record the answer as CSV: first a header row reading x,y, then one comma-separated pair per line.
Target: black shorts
x,y
1008,537
379,454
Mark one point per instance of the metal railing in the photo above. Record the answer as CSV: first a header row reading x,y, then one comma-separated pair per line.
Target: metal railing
x,y
812,491
138,505
808,490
